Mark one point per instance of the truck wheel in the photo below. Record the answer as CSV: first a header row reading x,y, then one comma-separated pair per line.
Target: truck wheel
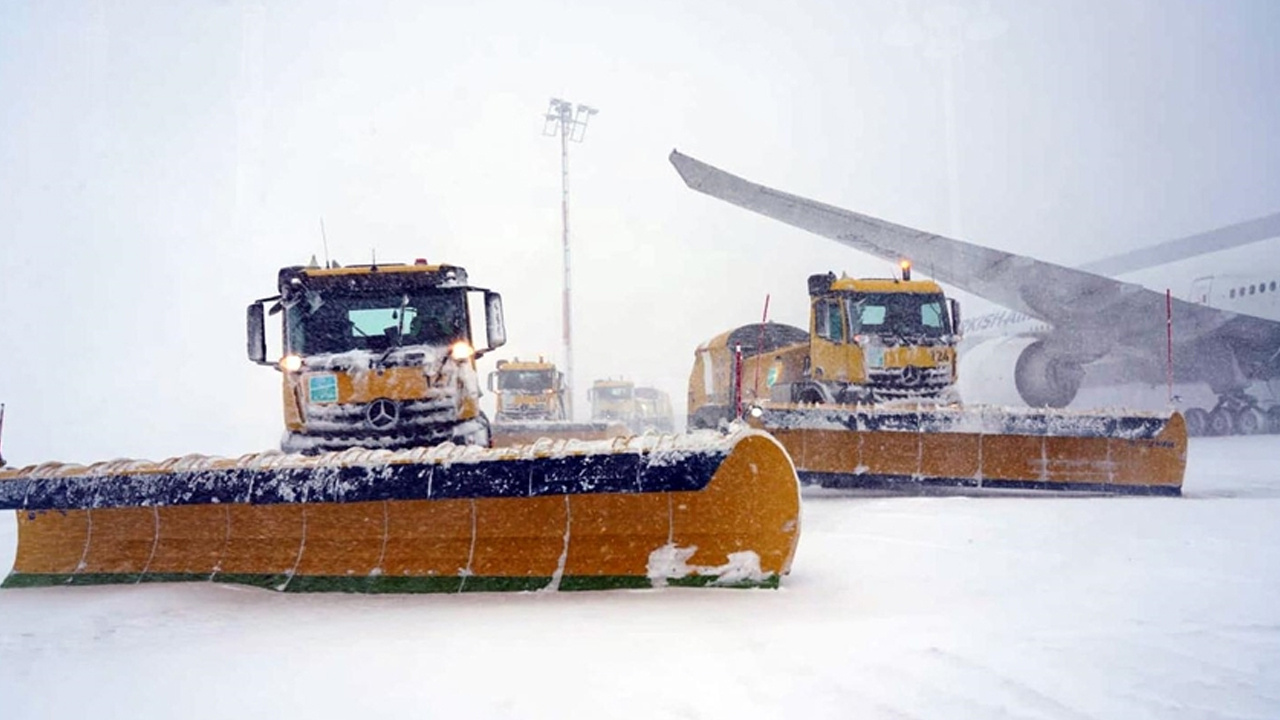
x,y
854,395
807,394
811,397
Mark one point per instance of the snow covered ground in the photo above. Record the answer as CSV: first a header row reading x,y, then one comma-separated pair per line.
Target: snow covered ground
x,y
897,607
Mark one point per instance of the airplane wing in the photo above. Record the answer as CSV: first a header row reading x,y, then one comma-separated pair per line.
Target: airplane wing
x,y
1083,303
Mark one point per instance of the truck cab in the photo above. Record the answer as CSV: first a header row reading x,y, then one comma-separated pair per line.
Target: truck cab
x,y
527,390
612,400
869,341
378,356
653,411
878,339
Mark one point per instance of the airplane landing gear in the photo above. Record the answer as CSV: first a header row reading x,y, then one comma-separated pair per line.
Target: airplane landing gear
x,y
1235,414
1222,421
1197,421
1251,421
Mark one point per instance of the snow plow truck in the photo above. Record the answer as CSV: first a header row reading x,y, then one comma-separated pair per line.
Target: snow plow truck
x,y
865,399
653,411
642,409
389,483
531,406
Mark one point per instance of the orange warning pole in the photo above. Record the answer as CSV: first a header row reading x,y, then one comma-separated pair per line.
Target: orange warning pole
x,y
737,381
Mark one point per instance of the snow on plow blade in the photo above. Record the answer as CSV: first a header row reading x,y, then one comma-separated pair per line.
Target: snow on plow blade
x,y
701,509
940,449
524,432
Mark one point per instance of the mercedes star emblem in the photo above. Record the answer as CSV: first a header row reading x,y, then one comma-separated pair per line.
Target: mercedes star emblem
x,y
911,376
382,413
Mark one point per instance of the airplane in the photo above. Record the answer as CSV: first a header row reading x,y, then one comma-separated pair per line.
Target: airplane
x,y
1070,323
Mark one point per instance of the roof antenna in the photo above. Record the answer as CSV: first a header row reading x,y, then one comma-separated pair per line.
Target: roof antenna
x,y
374,253
325,238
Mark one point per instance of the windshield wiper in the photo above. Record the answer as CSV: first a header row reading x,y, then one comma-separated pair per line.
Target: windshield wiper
x,y
404,303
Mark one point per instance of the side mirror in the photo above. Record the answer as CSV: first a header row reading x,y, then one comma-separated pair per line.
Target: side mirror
x,y
494,326
493,377
559,380
257,334
955,317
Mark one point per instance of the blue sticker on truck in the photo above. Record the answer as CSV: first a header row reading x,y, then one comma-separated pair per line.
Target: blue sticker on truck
x,y
322,388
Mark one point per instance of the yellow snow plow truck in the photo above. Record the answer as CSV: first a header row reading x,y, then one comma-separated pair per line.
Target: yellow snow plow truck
x,y
378,356
531,406
612,400
864,400
642,409
653,411
393,489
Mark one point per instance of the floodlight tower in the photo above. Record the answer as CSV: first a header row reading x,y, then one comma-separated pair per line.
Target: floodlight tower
x,y
570,124
943,31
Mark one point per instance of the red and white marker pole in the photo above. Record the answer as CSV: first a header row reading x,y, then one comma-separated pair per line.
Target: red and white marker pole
x,y
1168,325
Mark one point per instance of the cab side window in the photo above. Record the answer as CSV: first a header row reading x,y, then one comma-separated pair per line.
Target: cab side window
x,y
828,321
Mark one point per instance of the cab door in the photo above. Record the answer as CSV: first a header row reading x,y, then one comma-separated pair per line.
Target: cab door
x,y
829,349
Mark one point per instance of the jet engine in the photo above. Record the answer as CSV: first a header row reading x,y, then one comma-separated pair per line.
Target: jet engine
x,y
1047,379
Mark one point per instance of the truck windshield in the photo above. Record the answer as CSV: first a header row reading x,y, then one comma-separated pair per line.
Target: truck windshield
x,y
329,323
613,393
898,314
529,381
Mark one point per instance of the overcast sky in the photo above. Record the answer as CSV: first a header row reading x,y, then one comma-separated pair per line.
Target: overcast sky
x,y
159,162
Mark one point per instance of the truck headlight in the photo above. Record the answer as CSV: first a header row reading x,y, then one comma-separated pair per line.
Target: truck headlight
x,y
461,350
291,363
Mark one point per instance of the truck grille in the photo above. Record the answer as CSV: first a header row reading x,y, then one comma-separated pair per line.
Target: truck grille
x,y
381,416
526,411
909,381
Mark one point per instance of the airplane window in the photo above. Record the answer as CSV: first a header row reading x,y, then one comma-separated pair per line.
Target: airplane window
x,y
1273,286
1252,288
1233,292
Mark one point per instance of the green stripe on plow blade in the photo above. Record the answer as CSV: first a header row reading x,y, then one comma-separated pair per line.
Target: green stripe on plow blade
x,y
377,584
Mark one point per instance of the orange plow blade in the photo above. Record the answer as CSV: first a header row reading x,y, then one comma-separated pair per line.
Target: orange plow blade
x,y
976,449
702,509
